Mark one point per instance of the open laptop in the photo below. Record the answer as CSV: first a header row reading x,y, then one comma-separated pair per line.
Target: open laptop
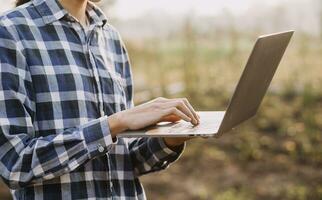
x,y
251,88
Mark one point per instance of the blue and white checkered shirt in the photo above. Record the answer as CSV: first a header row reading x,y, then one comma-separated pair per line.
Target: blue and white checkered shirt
x,y
58,85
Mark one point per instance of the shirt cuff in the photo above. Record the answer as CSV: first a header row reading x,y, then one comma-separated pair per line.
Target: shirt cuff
x,y
162,152
97,137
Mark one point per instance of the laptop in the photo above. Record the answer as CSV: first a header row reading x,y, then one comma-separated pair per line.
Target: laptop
x,y
247,97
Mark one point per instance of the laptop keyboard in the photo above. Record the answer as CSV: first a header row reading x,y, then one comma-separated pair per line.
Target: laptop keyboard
x,y
185,127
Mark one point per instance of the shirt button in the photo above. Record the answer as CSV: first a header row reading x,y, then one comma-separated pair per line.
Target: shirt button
x,y
100,148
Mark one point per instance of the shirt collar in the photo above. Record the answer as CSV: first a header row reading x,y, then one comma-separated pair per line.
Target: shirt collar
x,y
96,15
52,10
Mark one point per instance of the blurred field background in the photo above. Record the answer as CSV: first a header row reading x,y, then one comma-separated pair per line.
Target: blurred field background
x,y
197,50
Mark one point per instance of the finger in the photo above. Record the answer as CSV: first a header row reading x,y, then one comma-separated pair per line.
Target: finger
x,y
170,118
177,112
179,104
191,109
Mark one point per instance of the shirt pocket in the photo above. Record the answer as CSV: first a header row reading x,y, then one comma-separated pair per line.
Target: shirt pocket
x,y
113,84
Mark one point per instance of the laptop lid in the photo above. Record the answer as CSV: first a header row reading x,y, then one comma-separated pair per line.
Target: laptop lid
x,y
255,80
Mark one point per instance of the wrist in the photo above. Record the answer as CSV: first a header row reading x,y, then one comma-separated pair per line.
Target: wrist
x,y
172,142
116,125
176,146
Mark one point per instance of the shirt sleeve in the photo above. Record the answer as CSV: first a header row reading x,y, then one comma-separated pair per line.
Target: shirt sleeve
x,y
151,155
25,158
147,154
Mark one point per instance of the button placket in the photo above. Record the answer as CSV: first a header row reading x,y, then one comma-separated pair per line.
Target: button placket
x,y
98,85
95,73
100,100
85,39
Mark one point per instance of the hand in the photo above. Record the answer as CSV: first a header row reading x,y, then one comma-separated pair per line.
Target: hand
x,y
173,142
152,112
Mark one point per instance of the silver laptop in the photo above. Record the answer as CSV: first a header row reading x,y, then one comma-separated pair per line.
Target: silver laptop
x,y
251,88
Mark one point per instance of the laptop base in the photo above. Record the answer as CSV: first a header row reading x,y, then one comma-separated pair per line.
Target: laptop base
x,y
208,127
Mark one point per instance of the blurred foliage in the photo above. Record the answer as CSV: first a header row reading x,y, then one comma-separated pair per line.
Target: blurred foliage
x,y
276,155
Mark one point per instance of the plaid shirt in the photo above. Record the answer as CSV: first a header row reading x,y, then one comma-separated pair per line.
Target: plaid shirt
x,y
58,85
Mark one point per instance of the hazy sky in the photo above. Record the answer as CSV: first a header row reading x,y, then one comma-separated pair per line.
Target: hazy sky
x,y
129,9
132,8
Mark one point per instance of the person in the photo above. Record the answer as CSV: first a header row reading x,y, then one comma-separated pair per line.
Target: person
x,y
66,93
